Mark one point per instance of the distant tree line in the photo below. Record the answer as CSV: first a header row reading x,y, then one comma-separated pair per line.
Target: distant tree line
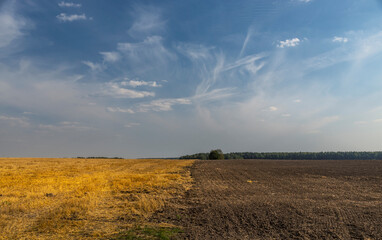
x,y
99,157
293,155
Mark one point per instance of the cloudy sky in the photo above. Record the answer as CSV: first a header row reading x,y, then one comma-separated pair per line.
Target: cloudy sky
x,y
167,78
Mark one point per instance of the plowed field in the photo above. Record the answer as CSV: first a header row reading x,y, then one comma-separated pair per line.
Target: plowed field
x,y
268,199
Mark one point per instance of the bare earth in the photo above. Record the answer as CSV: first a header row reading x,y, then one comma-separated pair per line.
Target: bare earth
x,y
269,199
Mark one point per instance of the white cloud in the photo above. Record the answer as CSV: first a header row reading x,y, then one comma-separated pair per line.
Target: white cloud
x,y
159,105
297,100
316,126
64,126
305,1
35,90
15,121
273,108
286,115
246,61
213,69
147,21
93,66
364,45
245,43
215,94
162,104
117,91
70,18
340,39
378,120
11,26
133,124
360,122
210,76
137,83
289,43
121,110
194,51
151,50
110,56
66,123
69,4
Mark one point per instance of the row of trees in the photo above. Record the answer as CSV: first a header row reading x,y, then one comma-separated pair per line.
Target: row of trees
x,y
291,155
213,155
99,158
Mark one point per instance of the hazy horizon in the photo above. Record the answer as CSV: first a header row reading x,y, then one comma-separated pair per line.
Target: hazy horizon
x,y
139,79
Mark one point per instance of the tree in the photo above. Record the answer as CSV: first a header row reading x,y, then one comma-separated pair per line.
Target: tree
x,y
216,154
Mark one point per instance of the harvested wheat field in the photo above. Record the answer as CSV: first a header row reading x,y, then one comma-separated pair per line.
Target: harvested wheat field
x,y
280,199
87,198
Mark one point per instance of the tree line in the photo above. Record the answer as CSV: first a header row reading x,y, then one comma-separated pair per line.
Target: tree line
x,y
293,155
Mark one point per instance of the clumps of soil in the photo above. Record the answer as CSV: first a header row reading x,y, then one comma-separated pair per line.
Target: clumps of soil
x,y
269,199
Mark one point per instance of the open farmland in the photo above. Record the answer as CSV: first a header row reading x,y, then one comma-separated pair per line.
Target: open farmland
x,y
281,199
84,198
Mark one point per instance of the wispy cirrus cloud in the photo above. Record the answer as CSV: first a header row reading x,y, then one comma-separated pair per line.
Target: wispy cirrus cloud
x,y
93,66
218,72
117,90
363,46
147,20
195,51
138,83
11,26
248,61
151,49
246,41
161,105
215,94
33,90
15,121
110,56
213,69
316,125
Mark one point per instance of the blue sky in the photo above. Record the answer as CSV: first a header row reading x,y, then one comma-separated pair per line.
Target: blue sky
x,y
167,78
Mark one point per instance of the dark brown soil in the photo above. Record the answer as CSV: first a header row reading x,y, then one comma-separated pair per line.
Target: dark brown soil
x,y
268,199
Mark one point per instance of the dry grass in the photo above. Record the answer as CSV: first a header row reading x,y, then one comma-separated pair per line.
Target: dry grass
x,y
83,198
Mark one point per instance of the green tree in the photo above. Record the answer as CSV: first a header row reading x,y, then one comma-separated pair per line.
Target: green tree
x,y
216,154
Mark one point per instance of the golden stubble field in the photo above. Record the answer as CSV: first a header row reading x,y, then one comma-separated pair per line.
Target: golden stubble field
x,y
84,198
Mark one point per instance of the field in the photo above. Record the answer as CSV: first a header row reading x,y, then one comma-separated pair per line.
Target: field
x,y
269,199
174,199
87,198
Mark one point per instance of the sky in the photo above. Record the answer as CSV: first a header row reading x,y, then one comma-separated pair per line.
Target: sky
x,y
168,78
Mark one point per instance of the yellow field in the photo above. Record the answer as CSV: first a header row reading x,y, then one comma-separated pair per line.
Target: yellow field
x,y
84,198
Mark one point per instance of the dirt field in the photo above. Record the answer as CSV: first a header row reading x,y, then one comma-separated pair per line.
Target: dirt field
x,y
268,199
